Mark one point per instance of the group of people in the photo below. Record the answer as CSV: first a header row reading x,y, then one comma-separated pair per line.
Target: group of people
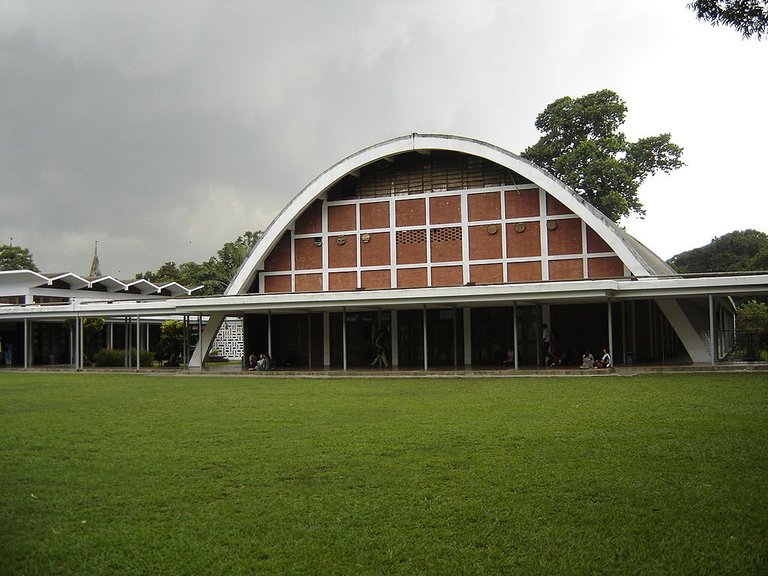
x,y
262,363
588,361
552,352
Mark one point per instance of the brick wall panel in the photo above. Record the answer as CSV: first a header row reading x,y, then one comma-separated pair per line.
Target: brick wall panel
x,y
524,271
595,243
482,245
277,283
412,277
445,210
566,238
447,276
525,243
521,203
566,269
485,206
374,215
280,257
555,207
309,282
376,251
342,255
410,212
486,273
605,267
307,255
341,218
342,280
311,220
376,279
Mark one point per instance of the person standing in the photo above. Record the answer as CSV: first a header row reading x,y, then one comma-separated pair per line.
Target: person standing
x,y
545,338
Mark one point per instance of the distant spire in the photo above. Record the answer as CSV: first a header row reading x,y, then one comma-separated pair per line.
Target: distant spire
x,y
95,269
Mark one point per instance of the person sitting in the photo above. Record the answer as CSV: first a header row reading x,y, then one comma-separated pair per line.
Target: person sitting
x,y
605,361
587,361
264,363
509,357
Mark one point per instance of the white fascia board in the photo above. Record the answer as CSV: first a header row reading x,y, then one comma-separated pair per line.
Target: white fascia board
x,y
22,278
110,283
176,289
498,294
144,286
74,281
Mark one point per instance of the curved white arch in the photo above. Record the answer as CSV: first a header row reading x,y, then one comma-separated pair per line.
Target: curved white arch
x,y
605,228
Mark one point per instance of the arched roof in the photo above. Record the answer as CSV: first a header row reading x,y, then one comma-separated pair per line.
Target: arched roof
x,y
637,258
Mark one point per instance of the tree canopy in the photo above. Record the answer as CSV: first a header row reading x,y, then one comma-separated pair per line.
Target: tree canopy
x,y
215,274
750,17
738,251
16,258
583,147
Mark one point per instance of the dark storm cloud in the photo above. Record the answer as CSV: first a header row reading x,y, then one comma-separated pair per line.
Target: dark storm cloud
x,y
164,129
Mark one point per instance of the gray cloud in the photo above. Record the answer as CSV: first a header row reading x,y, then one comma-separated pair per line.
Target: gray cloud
x,y
164,129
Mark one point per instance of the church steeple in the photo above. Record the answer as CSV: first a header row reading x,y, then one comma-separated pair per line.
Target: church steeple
x,y
95,269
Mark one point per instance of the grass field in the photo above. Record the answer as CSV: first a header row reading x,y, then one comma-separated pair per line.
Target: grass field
x,y
143,474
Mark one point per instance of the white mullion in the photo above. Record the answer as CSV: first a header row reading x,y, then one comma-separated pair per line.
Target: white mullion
x,y
543,234
293,262
358,258
585,261
464,236
428,232
324,245
392,244
504,275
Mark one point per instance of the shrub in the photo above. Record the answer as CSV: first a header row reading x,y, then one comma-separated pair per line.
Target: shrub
x,y
107,357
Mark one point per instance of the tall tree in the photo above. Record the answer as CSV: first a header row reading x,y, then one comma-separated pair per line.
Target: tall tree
x,y
583,147
738,251
215,274
16,258
750,17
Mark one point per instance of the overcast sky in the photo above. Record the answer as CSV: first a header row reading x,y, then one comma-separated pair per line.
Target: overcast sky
x,y
164,129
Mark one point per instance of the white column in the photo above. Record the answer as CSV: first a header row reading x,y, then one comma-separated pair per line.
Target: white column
x,y
610,332
424,330
138,342
394,334
514,333
467,337
326,340
344,337
712,330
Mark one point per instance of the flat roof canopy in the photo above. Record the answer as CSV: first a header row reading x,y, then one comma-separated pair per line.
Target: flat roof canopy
x,y
580,291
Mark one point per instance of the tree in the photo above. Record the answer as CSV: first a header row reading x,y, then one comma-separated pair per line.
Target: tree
x,y
750,17
172,341
16,258
583,147
738,251
215,274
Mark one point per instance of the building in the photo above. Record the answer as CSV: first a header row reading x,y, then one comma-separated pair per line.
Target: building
x,y
430,251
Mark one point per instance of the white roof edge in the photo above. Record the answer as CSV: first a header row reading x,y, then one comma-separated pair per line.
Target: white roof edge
x,y
605,228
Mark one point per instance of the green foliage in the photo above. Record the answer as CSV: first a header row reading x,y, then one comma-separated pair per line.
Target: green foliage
x,y
107,474
215,274
110,357
583,147
750,17
172,340
753,315
738,251
16,258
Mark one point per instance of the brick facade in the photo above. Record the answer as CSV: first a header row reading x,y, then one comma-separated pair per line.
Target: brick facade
x,y
441,236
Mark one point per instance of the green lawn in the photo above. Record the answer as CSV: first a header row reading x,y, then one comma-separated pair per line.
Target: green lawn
x,y
166,475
